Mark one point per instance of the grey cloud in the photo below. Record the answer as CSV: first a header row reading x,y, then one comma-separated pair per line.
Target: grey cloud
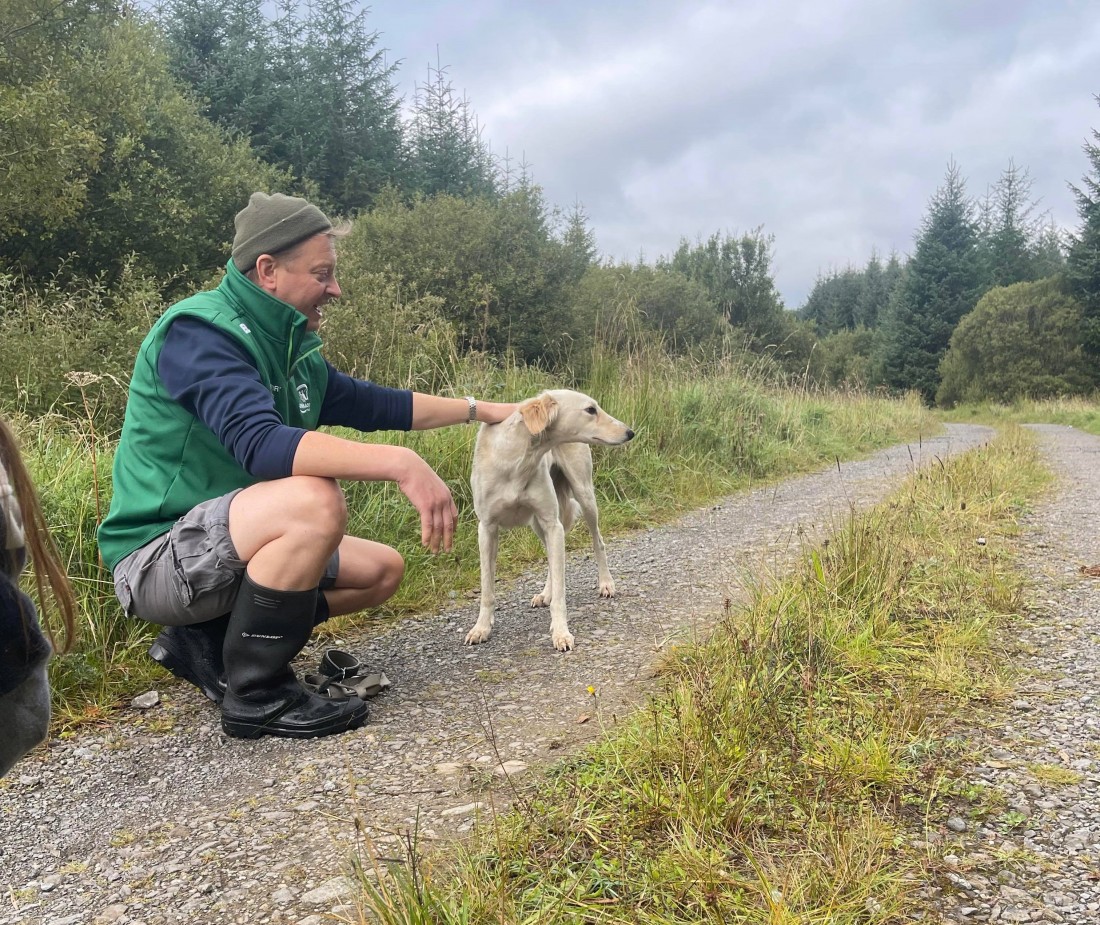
x,y
831,123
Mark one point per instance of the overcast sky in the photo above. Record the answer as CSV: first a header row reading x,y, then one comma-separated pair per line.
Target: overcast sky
x,y
830,123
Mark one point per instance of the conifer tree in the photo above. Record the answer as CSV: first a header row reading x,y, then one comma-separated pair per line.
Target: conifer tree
x,y
1015,244
222,50
942,283
578,243
1083,262
843,301
311,89
879,283
834,302
352,114
449,154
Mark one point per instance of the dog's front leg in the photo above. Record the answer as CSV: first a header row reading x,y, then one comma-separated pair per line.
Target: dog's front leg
x,y
587,502
554,538
488,540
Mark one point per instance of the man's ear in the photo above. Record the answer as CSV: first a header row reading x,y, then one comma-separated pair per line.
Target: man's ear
x,y
265,272
539,413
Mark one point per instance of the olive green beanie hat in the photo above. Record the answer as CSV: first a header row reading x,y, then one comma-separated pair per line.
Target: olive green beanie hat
x,y
269,224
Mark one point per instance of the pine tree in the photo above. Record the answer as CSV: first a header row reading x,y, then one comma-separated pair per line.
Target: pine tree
x,y
833,303
844,301
1050,251
221,49
1014,242
1083,262
449,154
354,109
578,243
878,286
942,283
311,89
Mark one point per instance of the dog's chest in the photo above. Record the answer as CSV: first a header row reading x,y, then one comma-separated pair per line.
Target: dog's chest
x,y
516,514
512,501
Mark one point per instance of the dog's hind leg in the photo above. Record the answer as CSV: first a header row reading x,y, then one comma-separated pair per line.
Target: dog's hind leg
x,y
543,598
488,541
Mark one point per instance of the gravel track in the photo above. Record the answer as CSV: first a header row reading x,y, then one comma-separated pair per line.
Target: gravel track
x,y
161,819
1034,854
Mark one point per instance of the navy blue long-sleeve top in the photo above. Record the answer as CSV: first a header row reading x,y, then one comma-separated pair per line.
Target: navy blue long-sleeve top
x,y
214,378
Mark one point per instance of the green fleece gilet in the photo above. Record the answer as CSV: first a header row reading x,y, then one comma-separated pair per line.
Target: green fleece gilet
x,y
167,460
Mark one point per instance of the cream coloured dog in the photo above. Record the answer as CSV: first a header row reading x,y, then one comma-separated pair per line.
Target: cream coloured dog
x,y
535,468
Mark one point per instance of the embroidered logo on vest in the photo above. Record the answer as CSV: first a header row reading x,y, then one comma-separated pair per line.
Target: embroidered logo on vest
x,y
244,327
303,398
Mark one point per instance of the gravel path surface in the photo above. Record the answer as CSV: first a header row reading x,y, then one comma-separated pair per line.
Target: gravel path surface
x,y
162,819
1034,854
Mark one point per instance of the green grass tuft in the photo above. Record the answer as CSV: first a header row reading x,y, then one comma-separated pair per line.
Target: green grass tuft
x,y
703,430
774,778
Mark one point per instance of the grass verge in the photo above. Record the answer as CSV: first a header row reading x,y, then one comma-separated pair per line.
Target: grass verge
x,y
1072,411
703,431
774,778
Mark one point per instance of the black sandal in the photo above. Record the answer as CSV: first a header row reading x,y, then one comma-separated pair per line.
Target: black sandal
x,y
342,676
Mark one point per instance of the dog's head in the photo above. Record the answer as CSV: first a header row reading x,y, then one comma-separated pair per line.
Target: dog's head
x,y
572,417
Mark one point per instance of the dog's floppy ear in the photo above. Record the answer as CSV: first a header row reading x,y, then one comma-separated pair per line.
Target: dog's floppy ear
x,y
539,413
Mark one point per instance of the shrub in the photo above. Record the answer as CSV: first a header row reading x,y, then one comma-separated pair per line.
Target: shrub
x,y
1021,341
69,347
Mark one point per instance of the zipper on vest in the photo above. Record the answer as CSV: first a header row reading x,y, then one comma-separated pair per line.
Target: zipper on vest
x,y
294,364
290,347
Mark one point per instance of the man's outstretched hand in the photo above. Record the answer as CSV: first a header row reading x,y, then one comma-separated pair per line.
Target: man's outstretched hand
x,y
430,495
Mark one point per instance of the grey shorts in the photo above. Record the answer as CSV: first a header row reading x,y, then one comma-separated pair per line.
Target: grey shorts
x,y
192,573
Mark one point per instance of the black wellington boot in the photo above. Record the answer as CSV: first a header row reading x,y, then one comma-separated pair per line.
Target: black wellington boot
x,y
267,628
321,612
194,653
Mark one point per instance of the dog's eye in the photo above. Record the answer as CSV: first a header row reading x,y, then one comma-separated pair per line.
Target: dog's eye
x,y
591,409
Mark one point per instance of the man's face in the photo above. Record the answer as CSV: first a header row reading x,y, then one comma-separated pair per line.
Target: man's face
x,y
305,277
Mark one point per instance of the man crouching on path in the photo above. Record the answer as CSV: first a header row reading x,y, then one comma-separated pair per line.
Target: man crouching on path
x,y
227,523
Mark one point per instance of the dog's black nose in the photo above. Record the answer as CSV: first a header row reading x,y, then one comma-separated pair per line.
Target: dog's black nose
x,y
629,434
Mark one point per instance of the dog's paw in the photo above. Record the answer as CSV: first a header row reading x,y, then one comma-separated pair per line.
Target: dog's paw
x,y
606,588
563,642
478,635
540,600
